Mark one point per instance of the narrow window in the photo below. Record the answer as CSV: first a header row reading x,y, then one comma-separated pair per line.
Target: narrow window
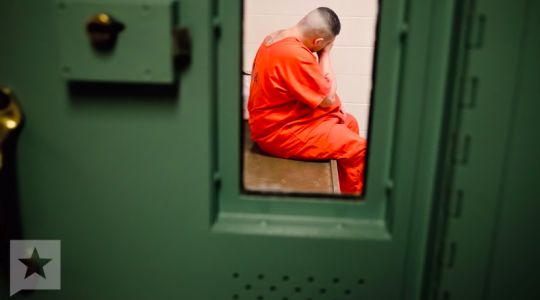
x,y
306,98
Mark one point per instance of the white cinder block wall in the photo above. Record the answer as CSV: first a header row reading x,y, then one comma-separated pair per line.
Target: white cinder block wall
x,y
352,55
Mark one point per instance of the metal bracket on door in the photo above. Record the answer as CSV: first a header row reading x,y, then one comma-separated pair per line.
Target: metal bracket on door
x,y
181,47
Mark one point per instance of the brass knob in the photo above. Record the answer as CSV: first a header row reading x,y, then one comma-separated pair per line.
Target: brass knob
x,y
103,31
10,116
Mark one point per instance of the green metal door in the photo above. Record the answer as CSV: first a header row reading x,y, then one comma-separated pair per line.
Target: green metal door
x,y
489,200
133,177
120,173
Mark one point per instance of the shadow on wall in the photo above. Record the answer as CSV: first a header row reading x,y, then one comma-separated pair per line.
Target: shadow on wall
x,y
123,93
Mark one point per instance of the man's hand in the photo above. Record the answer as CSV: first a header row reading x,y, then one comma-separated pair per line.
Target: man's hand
x,y
326,49
326,68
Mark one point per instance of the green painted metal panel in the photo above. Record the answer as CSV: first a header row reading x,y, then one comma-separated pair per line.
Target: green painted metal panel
x,y
515,263
143,51
442,34
493,88
114,171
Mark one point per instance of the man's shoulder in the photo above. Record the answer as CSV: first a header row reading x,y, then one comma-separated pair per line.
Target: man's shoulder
x,y
294,50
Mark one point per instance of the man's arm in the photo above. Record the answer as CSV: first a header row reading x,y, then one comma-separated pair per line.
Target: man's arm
x,y
324,62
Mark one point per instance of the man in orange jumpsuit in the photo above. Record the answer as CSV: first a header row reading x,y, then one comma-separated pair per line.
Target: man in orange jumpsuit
x,y
293,106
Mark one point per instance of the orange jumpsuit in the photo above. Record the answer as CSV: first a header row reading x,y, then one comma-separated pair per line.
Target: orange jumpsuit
x,y
287,86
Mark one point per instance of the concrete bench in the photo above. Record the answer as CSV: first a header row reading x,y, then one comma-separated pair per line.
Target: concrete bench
x,y
264,172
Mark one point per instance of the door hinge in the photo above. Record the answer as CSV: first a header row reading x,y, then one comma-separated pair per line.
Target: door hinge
x,y
463,149
217,179
476,36
403,31
470,93
455,204
389,185
216,25
450,255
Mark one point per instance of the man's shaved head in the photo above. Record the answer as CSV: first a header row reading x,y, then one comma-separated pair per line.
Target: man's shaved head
x,y
321,23
331,19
